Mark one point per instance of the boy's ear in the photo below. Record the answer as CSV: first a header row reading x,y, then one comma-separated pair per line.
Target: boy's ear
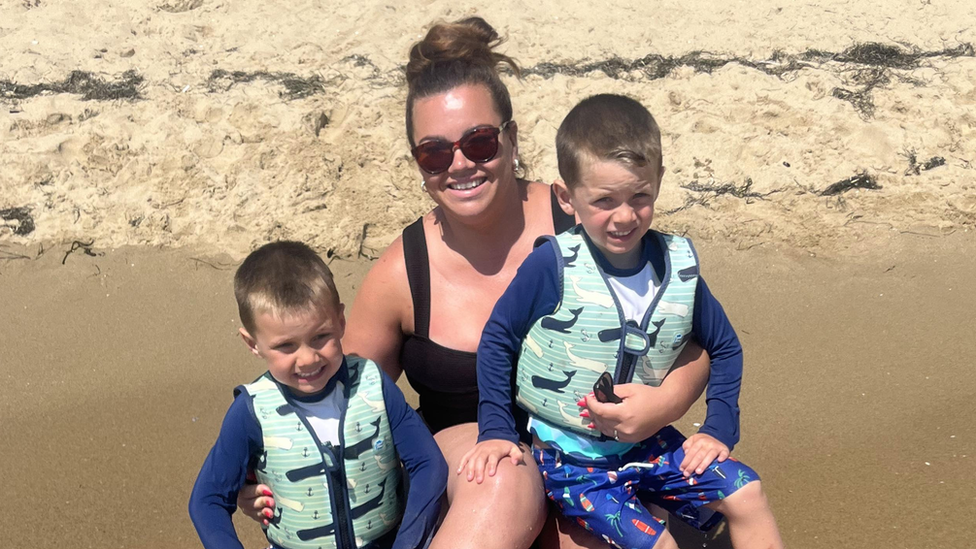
x,y
251,343
342,319
563,196
660,178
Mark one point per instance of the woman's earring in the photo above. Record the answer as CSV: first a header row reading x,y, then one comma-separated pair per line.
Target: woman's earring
x,y
517,167
423,184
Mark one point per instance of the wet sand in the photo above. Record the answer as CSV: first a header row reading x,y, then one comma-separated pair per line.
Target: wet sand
x,y
857,404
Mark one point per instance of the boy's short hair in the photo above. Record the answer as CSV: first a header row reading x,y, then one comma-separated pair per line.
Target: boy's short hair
x,y
606,127
282,277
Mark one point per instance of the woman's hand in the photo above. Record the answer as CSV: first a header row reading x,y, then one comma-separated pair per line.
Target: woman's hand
x,y
645,410
637,418
256,501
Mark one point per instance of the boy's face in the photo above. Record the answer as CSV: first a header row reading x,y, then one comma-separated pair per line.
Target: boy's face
x,y
615,203
302,349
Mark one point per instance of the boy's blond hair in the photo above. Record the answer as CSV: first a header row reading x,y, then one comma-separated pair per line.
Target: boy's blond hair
x,y
606,127
282,277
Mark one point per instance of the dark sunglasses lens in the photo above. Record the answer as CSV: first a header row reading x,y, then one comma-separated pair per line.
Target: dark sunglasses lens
x,y
434,157
480,145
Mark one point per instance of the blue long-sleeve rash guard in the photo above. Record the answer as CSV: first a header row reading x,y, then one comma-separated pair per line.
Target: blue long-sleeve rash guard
x,y
535,292
214,496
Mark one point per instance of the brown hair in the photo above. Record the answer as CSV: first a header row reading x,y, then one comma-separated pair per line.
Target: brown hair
x,y
606,127
282,277
454,54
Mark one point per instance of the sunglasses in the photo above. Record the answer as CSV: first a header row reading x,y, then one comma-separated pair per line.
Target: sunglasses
x,y
477,145
603,389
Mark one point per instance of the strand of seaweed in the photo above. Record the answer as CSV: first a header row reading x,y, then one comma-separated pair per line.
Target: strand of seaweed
x,y
86,84
870,65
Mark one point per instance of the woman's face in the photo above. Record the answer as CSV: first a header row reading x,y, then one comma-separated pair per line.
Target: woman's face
x,y
466,188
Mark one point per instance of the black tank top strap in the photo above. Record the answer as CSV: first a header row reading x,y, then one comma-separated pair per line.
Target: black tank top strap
x,y
561,221
418,274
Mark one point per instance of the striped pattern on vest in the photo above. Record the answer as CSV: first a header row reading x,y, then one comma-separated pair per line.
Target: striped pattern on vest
x,y
315,487
565,352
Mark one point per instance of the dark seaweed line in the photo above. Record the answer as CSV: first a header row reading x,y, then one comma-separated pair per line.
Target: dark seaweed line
x,y
872,61
654,66
86,84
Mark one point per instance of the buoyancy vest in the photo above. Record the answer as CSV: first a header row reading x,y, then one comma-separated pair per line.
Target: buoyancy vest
x,y
565,352
326,496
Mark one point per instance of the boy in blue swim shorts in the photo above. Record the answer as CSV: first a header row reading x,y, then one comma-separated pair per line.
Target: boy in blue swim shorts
x,y
613,302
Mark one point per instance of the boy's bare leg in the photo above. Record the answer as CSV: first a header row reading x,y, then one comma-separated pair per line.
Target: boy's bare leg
x,y
751,522
505,511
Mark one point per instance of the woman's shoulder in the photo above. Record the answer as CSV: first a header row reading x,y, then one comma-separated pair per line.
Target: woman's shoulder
x,y
390,267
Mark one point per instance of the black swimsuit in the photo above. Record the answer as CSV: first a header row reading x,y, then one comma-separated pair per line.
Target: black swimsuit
x,y
446,379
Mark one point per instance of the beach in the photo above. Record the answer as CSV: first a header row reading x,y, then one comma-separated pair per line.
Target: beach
x,y
820,156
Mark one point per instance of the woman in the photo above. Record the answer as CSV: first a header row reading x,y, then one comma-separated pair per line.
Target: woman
x,y
424,303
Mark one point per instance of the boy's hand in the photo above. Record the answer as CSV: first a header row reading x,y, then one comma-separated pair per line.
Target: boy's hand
x,y
488,453
700,451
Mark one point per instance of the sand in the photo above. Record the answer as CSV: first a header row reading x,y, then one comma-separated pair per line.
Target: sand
x,y
256,121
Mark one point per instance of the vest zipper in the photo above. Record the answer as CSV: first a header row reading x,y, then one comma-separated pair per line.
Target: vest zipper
x,y
336,471
339,494
345,516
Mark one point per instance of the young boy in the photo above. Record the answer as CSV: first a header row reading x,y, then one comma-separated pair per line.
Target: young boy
x,y
613,296
326,432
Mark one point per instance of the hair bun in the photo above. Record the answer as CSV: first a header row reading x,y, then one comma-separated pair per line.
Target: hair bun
x,y
469,41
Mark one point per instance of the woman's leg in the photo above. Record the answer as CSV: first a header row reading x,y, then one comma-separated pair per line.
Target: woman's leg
x,y
505,511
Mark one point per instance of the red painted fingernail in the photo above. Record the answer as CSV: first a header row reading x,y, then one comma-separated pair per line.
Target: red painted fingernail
x,y
585,413
581,402
268,492
591,426
268,513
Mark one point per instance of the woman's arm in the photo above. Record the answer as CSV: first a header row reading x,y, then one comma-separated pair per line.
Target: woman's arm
x,y
375,325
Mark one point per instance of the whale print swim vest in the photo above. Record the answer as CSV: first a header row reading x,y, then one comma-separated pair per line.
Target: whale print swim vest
x,y
329,497
565,352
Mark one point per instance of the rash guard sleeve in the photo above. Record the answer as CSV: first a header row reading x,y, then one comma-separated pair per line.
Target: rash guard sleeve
x,y
533,293
714,332
214,496
425,466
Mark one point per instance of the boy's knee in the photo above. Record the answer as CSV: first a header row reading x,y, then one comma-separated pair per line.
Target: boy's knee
x,y
665,541
745,502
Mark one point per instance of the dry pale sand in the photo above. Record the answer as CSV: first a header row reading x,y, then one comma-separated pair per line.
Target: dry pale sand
x,y
855,309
